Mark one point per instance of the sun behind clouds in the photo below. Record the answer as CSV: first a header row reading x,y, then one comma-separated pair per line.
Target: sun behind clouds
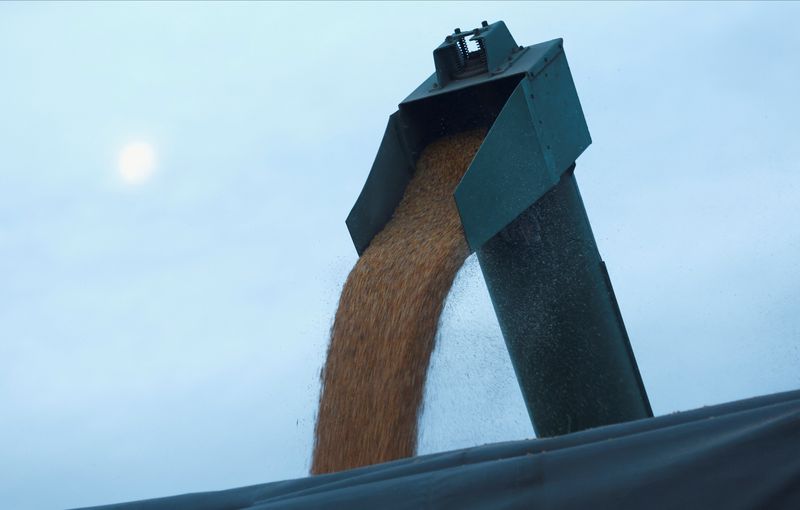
x,y
137,162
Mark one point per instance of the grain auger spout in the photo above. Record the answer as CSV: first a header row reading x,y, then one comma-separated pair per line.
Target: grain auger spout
x,y
523,215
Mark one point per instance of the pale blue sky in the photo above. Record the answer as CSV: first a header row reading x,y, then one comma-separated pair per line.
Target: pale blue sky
x,y
168,337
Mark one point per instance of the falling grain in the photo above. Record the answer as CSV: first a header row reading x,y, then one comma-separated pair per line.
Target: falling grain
x,y
388,313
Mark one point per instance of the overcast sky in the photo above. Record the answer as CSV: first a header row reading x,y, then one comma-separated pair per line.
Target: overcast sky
x,y
163,331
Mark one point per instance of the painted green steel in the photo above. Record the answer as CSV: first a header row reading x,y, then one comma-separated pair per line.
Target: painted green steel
x,y
539,133
391,171
496,51
523,215
529,60
489,199
560,321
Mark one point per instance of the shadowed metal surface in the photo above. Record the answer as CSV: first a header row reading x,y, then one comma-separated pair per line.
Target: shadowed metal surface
x,y
739,455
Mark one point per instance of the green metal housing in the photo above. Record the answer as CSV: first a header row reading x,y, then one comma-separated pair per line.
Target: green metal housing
x,y
523,216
